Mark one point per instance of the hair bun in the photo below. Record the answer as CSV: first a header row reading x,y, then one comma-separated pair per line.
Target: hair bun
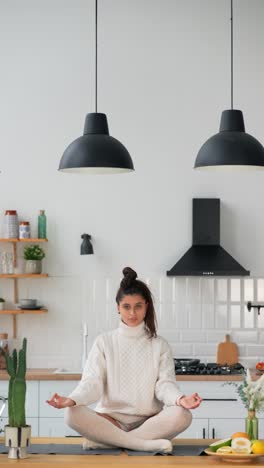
x,y
129,276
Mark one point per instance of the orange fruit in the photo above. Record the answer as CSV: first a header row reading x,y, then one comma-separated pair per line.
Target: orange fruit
x,y
240,434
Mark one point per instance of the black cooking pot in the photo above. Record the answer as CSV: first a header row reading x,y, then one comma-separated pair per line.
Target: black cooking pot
x,y
186,362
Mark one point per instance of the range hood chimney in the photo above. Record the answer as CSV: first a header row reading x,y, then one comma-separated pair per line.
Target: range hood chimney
x,y
206,257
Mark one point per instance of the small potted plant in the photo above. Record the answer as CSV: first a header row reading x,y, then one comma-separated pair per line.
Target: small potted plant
x,y
17,432
33,254
2,302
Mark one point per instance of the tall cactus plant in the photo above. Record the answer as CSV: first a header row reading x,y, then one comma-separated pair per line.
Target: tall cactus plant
x,y
16,369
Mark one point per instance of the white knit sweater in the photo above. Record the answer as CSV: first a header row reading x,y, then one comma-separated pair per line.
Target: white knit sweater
x,y
130,374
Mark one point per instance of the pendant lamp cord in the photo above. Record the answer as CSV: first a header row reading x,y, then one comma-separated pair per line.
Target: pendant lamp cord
x,y
96,14
232,67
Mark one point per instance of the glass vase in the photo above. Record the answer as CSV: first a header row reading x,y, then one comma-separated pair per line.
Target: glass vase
x,y
252,425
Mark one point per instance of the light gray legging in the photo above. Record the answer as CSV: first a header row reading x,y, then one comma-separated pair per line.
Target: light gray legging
x,y
154,434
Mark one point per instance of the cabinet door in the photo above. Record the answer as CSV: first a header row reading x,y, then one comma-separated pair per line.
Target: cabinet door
x,y
55,427
46,389
32,398
197,430
33,422
222,428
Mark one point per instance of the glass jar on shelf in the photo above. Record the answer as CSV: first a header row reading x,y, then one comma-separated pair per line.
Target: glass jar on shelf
x,y
10,224
24,230
3,349
7,263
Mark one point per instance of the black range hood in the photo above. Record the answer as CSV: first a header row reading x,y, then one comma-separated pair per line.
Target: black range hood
x,y
206,257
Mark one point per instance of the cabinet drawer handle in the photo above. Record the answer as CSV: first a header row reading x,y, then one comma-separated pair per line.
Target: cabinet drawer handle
x,y
203,432
219,399
213,433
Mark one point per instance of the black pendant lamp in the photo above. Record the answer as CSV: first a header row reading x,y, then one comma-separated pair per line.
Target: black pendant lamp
x,y
96,151
232,146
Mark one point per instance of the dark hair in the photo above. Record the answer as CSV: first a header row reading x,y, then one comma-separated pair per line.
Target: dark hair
x,y
130,285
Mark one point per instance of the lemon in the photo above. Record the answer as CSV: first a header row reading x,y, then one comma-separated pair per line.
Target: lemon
x,y
258,447
224,449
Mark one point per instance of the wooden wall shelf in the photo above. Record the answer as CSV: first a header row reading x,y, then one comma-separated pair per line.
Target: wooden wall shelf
x,y
13,240
24,311
24,275
16,277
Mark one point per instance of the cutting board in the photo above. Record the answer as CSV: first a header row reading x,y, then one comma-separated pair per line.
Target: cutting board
x,y
227,352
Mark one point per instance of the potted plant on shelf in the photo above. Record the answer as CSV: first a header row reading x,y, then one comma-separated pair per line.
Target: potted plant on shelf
x,y
2,302
17,432
33,254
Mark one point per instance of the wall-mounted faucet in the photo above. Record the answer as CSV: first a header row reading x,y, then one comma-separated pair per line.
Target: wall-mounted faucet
x,y
251,305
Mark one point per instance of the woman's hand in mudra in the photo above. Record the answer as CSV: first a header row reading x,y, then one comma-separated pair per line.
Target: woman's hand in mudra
x,y
191,401
60,401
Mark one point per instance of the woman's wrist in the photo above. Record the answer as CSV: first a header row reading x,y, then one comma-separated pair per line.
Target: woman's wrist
x,y
178,401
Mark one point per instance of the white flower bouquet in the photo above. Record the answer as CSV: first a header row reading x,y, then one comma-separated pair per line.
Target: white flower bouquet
x,y
251,392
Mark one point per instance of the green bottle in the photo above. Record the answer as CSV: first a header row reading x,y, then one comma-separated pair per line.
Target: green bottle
x,y
42,225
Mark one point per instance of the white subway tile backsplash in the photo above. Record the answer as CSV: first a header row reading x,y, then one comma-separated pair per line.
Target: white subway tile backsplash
x,y
255,350
221,317
193,336
205,349
261,337
207,291
181,314
193,290
244,336
242,350
167,290
260,289
249,362
216,336
165,315
235,316
182,350
194,315
208,316
235,289
248,290
221,290
249,317
172,336
259,318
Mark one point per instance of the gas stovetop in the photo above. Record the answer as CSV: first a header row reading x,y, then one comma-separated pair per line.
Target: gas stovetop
x,y
207,369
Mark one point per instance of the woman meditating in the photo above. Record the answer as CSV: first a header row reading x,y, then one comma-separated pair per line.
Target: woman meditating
x,y
130,371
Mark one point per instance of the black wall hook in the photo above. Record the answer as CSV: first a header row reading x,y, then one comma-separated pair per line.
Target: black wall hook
x,y
250,306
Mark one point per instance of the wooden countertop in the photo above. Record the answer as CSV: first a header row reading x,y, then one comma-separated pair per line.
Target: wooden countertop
x,y
123,460
48,374
43,374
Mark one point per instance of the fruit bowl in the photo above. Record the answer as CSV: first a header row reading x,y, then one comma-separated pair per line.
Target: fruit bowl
x,y
234,457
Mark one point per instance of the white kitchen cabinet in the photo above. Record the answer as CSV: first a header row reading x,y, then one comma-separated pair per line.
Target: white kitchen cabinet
x,y
55,427
222,428
221,408
46,389
197,430
51,420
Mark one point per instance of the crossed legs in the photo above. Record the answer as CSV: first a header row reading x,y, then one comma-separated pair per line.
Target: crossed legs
x,y
152,435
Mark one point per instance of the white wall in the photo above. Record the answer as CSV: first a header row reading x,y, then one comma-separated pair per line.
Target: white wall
x,y
164,69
